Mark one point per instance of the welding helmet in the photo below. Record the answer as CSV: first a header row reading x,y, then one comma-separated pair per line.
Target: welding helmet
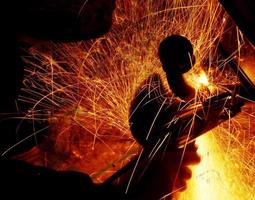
x,y
176,54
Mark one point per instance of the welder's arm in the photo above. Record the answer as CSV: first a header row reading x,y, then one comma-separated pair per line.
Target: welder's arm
x,y
205,117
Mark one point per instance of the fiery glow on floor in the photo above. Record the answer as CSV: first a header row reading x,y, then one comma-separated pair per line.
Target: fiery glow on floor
x,y
226,169
84,90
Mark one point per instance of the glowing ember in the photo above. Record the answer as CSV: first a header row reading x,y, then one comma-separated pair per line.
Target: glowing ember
x,y
202,79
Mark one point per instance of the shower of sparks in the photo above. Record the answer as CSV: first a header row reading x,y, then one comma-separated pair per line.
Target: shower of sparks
x,y
85,89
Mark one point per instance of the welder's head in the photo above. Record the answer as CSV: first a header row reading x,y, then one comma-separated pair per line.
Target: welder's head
x,y
176,54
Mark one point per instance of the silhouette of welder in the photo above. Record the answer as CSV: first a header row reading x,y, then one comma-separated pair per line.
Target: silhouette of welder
x,y
154,106
151,114
165,122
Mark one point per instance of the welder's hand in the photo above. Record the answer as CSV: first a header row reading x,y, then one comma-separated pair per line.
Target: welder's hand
x,y
181,160
166,174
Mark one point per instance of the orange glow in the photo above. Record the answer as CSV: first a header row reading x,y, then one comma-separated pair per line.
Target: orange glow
x,y
218,176
226,170
202,79
198,79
